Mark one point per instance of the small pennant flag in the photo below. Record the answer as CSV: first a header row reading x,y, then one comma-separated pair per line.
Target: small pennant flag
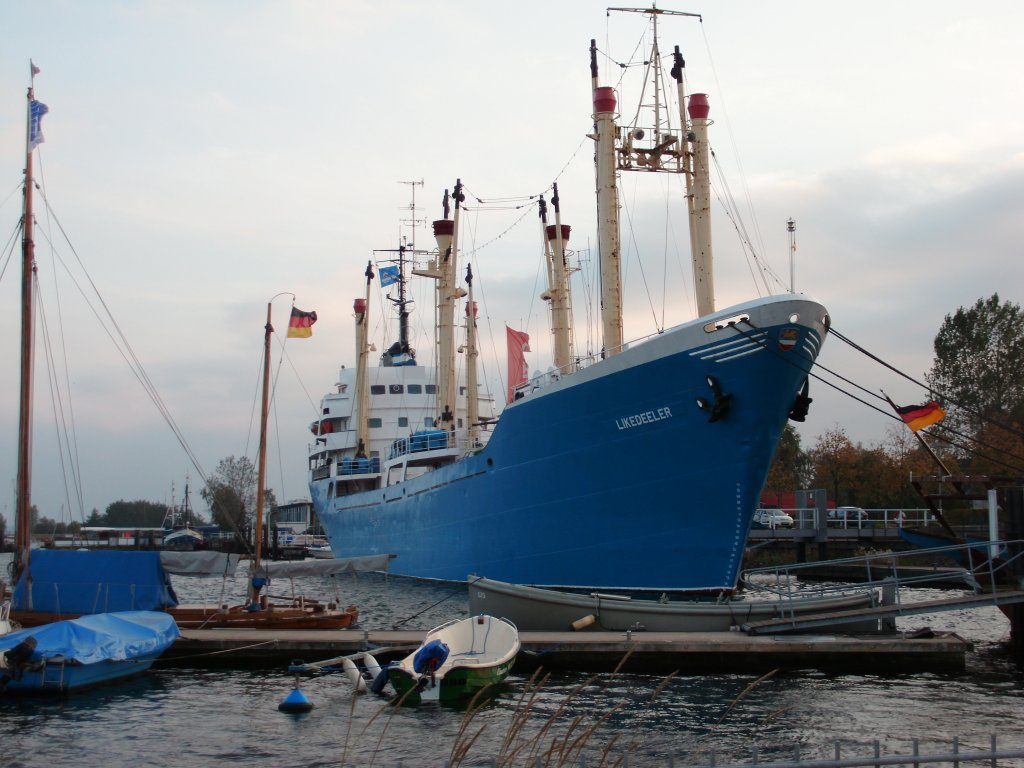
x,y
300,326
918,417
518,343
36,110
33,68
388,275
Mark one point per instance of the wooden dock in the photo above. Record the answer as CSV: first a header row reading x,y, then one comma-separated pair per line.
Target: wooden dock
x,y
639,652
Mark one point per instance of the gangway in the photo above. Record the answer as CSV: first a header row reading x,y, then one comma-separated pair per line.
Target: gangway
x,y
988,573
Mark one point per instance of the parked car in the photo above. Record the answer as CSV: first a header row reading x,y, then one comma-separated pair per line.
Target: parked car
x,y
848,516
772,518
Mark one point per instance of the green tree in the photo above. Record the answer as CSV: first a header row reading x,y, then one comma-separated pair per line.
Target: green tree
x,y
139,514
790,468
979,357
834,462
95,519
44,525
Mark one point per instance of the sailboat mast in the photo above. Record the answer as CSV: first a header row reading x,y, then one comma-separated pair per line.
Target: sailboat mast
x,y
261,470
23,504
605,131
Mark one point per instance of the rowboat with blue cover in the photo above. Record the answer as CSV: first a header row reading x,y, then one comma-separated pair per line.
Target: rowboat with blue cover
x,y
76,654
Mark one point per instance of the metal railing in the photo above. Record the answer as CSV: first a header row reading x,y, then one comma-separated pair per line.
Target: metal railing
x,y
893,517
986,565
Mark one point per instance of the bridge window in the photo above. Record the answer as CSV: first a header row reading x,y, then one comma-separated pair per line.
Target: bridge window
x,y
396,389
374,423
377,389
431,389
403,421
415,389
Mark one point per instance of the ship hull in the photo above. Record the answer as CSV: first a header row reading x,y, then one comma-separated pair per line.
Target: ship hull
x,y
612,477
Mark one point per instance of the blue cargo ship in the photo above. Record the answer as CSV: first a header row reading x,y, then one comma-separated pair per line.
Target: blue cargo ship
x,y
638,468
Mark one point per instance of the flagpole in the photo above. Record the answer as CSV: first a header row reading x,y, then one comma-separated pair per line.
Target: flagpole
x,y
945,471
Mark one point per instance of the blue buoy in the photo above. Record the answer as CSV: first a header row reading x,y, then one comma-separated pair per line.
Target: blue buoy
x,y
295,702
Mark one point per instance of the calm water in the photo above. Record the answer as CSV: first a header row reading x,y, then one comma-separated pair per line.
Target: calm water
x,y
194,717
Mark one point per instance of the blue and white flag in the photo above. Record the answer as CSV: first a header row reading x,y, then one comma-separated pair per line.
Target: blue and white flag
x,y
36,110
388,275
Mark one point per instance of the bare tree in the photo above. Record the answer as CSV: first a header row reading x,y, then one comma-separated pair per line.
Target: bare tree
x,y
230,493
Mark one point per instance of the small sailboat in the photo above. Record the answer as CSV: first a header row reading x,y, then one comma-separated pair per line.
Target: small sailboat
x,y
259,610
58,585
181,536
456,661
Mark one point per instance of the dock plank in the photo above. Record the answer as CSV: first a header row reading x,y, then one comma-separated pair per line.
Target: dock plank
x,y
641,652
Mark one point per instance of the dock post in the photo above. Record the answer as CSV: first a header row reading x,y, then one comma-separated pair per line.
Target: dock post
x,y
1013,499
889,587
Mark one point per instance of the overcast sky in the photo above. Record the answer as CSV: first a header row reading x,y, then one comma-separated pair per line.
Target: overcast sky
x,y
203,157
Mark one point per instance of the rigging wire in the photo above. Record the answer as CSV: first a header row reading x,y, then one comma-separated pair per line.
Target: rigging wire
x,y
66,444
9,248
937,433
732,137
117,336
69,441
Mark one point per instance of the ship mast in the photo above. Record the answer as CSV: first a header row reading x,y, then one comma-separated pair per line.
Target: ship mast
x,y
472,397
361,309
446,232
667,150
607,210
556,237
401,350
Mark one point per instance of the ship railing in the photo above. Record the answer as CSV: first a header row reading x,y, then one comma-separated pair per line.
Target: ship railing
x,y
420,442
552,375
352,467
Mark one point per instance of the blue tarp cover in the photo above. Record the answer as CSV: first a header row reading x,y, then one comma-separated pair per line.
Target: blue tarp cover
x,y
91,581
100,637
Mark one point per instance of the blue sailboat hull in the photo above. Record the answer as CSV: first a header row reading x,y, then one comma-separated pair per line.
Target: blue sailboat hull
x,y
610,477
77,654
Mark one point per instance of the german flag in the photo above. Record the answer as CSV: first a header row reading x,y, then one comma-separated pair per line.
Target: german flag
x,y
300,326
918,417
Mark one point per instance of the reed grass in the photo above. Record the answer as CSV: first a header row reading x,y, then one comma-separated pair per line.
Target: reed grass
x,y
560,739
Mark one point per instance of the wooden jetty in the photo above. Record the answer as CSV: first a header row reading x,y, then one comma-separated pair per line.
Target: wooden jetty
x,y
644,652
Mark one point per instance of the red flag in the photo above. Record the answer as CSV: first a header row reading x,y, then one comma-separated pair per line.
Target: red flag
x,y
918,417
300,326
518,344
